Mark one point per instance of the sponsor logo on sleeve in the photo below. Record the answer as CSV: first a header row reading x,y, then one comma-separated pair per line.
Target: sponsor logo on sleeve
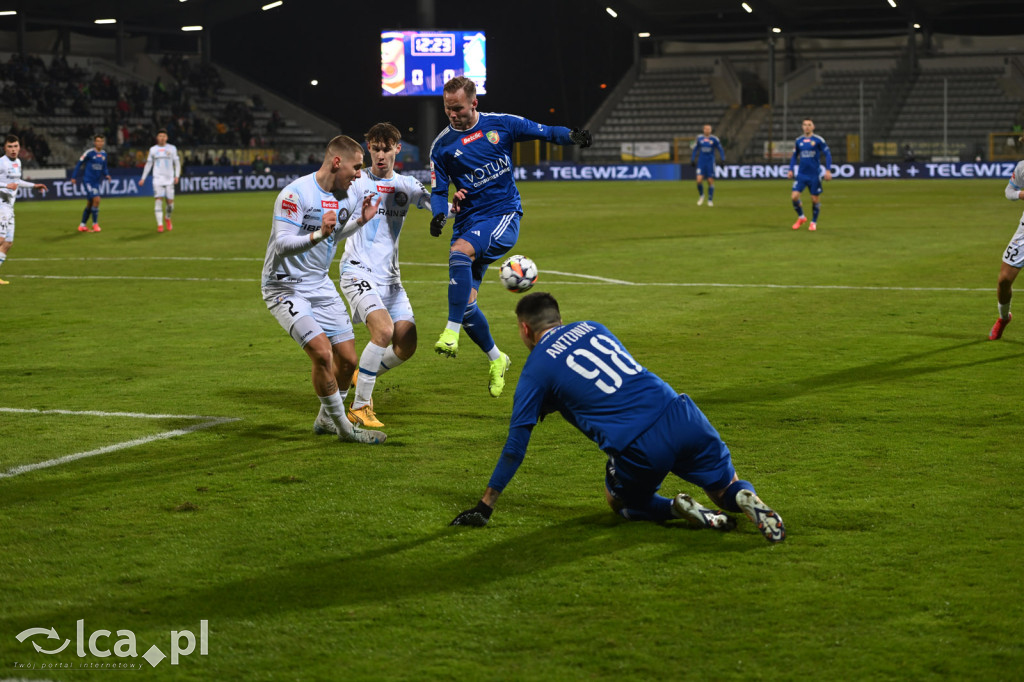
x,y
472,138
289,206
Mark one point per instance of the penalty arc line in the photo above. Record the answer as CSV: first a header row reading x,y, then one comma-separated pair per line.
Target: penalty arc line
x,y
210,422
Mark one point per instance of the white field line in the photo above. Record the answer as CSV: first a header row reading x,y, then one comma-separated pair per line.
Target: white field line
x,y
207,422
590,279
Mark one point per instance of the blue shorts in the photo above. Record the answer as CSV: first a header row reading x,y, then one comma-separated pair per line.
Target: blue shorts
x,y
683,442
805,181
491,239
91,190
706,168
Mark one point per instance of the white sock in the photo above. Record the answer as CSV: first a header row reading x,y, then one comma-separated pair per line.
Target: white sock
x,y
369,365
454,326
493,353
3,257
389,361
159,211
334,406
1004,311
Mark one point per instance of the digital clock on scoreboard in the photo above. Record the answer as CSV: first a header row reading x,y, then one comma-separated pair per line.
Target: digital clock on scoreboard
x,y
421,62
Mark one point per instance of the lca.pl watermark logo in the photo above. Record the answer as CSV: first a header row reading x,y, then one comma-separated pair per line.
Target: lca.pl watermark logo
x,y
182,643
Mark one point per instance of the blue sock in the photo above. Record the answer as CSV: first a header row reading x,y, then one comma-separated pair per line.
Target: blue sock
x,y
85,214
728,500
711,192
95,215
657,508
798,206
475,324
814,213
460,285
700,189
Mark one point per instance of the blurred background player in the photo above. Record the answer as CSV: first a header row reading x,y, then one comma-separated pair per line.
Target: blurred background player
x,y
809,152
703,157
10,181
310,216
94,161
475,154
166,166
1013,257
370,277
647,430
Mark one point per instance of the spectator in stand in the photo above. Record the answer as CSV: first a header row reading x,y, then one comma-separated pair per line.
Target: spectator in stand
x,y
224,160
258,164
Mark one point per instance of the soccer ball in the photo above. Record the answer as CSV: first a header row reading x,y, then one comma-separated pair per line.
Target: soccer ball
x,y
518,273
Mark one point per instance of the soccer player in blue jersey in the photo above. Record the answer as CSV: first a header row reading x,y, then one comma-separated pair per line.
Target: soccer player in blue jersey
x,y
583,371
703,157
95,163
475,154
808,153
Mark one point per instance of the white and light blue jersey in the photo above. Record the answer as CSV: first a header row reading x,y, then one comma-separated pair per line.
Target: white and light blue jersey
x,y
10,171
809,153
164,163
373,248
479,160
1016,183
292,259
95,163
705,148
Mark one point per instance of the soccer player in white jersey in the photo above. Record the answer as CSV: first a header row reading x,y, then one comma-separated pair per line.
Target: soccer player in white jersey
x,y
10,181
311,215
166,166
1013,257
370,276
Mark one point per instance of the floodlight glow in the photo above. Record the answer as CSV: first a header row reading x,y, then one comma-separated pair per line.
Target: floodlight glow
x,y
748,8
105,21
272,5
612,12
776,29
191,28
892,3
917,26
8,12
314,82
643,34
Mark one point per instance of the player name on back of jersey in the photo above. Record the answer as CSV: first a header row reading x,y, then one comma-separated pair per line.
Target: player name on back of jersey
x,y
568,338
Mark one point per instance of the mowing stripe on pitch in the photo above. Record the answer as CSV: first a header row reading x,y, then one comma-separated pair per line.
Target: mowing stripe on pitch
x,y
207,422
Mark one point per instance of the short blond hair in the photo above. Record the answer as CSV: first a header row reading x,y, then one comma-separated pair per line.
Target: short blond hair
x,y
343,145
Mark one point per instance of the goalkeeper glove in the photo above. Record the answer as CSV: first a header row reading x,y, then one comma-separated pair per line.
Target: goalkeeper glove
x,y
437,224
477,516
581,136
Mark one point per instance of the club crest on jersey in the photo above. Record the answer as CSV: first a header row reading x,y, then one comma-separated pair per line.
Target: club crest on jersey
x,y
401,198
329,204
386,189
343,216
492,136
472,138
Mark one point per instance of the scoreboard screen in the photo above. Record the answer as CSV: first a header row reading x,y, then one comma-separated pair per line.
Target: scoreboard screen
x,y
421,62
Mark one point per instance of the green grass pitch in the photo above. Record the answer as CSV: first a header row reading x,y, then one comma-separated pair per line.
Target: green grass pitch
x,y
847,369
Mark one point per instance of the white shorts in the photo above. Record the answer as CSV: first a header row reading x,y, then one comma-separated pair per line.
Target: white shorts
x,y
1014,254
164,191
307,314
364,296
6,223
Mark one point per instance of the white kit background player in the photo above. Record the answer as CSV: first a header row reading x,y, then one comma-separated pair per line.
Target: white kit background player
x,y
370,277
311,215
1013,257
10,181
166,166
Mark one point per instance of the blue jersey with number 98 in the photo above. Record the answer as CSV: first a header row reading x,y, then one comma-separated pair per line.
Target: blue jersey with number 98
x,y
582,371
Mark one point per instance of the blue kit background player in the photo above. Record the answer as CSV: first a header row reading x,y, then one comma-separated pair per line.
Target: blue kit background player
x,y
703,157
647,430
808,154
95,163
475,154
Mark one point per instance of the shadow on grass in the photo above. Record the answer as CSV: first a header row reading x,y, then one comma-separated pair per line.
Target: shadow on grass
x,y
897,369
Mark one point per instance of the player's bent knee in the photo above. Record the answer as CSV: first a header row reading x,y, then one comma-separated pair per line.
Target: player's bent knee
x,y
613,502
